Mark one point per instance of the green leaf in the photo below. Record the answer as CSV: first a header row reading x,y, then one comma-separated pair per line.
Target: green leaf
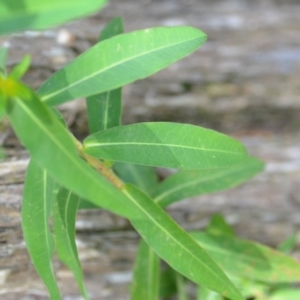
x,y
167,284
145,283
206,294
288,245
3,57
144,177
64,218
120,60
181,287
252,260
16,15
286,294
176,247
21,68
105,109
186,184
36,208
218,225
53,148
169,145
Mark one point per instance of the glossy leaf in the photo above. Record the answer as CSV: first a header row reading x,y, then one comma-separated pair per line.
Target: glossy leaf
x,y
176,247
144,177
186,184
17,15
252,260
64,218
120,60
169,145
53,148
218,225
105,110
145,283
36,208
21,68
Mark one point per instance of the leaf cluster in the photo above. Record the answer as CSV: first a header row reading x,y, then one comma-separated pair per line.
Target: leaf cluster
x,y
114,167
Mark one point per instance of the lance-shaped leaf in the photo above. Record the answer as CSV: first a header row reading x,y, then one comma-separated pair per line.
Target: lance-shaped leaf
x,y
252,260
19,15
176,247
144,177
53,148
21,68
218,225
104,110
186,184
169,145
120,60
36,208
64,217
145,284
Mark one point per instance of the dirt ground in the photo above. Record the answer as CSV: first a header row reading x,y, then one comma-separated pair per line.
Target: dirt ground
x,y
244,81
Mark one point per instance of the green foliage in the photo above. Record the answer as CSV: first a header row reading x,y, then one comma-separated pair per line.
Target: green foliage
x,y
113,168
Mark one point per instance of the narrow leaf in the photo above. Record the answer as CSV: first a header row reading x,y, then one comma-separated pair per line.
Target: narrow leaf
x,y
120,60
186,184
144,177
145,283
16,15
36,208
254,261
176,247
21,68
288,245
169,145
53,149
64,217
167,283
105,109
218,225
181,287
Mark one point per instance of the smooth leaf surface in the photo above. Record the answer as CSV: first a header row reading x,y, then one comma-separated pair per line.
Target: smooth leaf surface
x,y
206,294
21,68
252,260
176,247
145,284
36,209
169,145
218,225
64,218
19,15
105,110
186,184
167,283
286,294
53,148
120,60
144,177
181,287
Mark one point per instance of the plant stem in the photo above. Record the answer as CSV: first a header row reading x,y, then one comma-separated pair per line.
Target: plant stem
x,y
100,167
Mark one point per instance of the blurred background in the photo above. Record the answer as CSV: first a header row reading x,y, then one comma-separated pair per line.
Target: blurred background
x,y
245,82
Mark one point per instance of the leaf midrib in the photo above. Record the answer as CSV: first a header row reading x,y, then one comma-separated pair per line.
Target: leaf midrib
x,y
99,145
46,97
175,240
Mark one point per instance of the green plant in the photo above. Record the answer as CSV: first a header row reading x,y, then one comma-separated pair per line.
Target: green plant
x,y
113,168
